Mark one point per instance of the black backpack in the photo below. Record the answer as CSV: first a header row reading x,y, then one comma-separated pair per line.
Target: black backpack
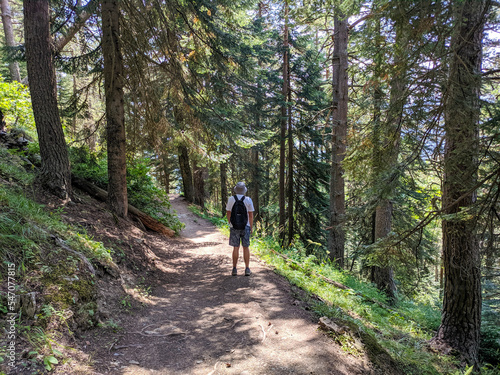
x,y
239,216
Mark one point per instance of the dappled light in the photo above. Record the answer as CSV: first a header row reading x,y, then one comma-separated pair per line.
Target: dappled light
x,y
200,319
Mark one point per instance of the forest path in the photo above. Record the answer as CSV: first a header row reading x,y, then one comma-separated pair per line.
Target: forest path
x,y
201,320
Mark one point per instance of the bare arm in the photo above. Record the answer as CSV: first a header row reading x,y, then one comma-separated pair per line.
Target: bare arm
x,y
250,219
228,214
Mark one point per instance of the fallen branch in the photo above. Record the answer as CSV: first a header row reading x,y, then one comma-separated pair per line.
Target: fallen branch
x,y
215,369
264,332
153,333
102,195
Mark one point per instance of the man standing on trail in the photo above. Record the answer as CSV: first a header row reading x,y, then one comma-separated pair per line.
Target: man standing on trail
x,y
239,210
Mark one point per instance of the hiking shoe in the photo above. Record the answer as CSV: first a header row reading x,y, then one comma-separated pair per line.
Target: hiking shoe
x,y
235,272
247,271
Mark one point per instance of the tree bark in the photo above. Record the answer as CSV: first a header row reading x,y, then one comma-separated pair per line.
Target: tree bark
x,y
9,38
2,123
115,118
336,235
55,173
290,210
461,315
200,174
223,188
387,140
284,116
383,277
166,172
255,190
187,176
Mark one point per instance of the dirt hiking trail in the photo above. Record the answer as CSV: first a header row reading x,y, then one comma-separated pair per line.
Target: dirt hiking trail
x,y
198,319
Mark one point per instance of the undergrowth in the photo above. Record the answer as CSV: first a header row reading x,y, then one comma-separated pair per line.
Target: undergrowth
x,y
403,330
142,191
41,254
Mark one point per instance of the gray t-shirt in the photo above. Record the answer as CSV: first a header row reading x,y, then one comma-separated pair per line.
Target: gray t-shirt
x,y
248,204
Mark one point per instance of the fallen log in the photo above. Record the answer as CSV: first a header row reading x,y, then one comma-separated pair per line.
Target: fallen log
x,y
149,222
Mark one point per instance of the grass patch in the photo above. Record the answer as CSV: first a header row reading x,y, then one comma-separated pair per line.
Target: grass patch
x,y
30,248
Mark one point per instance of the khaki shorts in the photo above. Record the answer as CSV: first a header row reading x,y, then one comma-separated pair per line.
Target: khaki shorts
x,y
237,235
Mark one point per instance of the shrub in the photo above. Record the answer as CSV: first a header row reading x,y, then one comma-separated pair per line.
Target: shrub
x,y
141,188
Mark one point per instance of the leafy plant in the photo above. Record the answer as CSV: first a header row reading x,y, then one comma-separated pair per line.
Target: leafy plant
x,y
15,104
42,343
141,188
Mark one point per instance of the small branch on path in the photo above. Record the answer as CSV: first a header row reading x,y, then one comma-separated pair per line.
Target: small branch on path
x,y
264,332
143,331
215,369
118,347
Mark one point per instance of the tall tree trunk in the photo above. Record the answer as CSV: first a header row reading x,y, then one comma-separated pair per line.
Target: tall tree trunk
x,y
461,314
387,140
383,276
166,172
187,176
223,187
267,191
55,173
284,116
9,38
336,235
254,194
2,122
199,177
290,210
115,118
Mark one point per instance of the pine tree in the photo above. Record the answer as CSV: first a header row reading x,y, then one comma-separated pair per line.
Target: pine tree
x,y
461,315
9,38
283,128
336,235
115,127
55,173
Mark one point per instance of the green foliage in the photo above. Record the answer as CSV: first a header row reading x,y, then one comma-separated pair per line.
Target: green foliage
x,y
145,195
12,168
25,229
27,233
402,331
210,213
89,165
489,348
15,104
142,189
44,347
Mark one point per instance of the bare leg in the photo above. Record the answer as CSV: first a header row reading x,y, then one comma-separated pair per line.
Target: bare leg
x,y
236,254
246,256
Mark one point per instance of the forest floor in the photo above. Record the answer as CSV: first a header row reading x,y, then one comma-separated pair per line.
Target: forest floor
x,y
176,309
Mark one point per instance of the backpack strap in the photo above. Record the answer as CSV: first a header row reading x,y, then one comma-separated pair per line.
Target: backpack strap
x,y
236,198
